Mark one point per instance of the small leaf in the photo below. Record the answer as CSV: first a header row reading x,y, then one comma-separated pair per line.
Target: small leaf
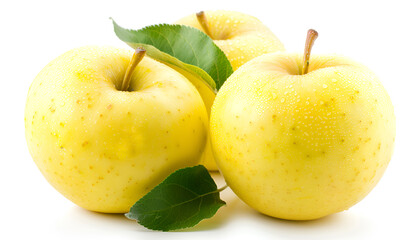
x,y
182,46
182,200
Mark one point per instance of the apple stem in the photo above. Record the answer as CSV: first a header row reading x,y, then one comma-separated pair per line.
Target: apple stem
x,y
222,188
310,39
137,57
201,17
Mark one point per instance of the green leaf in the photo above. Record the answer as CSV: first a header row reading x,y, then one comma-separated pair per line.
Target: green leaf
x,y
182,46
182,200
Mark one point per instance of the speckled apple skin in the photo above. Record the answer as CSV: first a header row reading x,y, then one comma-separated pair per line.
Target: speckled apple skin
x,y
241,37
301,147
208,96
103,148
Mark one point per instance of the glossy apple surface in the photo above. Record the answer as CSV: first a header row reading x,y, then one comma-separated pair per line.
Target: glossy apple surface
x,y
103,148
241,37
297,146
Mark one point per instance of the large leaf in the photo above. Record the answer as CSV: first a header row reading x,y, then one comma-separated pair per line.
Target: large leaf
x,y
182,46
182,200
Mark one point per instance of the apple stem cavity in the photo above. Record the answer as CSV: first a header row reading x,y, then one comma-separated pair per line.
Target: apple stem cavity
x,y
311,36
137,57
202,19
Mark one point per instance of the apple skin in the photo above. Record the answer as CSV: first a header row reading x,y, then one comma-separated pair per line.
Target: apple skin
x,y
301,147
103,148
241,37
208,96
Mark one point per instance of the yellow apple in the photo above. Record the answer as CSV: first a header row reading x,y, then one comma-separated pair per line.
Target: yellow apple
x,y
103,143
298,145
241,37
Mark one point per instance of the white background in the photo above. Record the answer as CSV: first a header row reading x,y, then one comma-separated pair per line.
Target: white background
x,y
383,35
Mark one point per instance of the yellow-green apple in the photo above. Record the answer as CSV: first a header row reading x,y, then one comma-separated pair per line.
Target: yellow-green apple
x,y
301,141
104,130
241,37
